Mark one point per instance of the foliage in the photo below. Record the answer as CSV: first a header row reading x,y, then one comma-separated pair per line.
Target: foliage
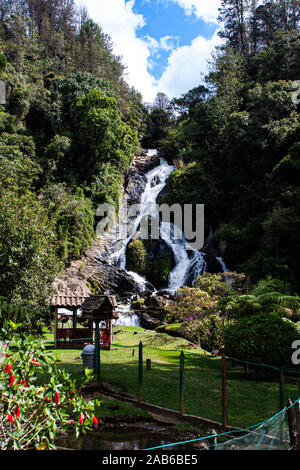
x,y
239,145
137,257
189,300
28,261
67,135
207,329
263,298
99,135
159,122
37,398
261,338
215,286
74,220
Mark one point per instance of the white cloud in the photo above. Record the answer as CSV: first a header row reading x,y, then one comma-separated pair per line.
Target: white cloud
x,y
166,43
117,19
205,9
186,64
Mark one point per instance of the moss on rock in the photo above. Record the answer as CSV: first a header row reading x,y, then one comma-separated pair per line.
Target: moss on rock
x,y
137,259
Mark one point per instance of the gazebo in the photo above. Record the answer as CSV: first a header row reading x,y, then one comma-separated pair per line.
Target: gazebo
x,y
100,309
74,328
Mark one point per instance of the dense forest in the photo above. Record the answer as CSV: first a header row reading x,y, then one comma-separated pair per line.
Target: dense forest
x,y
236,140
68,131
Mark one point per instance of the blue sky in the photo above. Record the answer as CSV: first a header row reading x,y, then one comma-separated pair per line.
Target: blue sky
x,y
168,20
165,44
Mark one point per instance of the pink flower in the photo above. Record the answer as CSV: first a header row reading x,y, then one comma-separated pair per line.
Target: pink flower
x,y
10,418
8,369
17,411
81,418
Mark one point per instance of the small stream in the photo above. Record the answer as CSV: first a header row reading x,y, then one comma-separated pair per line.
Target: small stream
x,y
123,440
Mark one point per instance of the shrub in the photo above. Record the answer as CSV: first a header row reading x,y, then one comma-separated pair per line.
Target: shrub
x,y
261,338
137,258
189,301
37,398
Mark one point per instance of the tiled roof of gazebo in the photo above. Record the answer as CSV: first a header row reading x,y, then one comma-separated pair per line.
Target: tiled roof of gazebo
x,y
67,299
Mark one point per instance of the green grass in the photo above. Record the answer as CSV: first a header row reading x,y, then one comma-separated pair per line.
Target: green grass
x,y
252,398
110,408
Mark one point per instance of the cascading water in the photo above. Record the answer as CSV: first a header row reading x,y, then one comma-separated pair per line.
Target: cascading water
x,y
188,266
126,316
225,270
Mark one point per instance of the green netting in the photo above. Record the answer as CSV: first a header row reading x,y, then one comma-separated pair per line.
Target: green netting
x,y
271,434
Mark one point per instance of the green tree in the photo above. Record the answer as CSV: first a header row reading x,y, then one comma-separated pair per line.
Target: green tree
x,y
28,262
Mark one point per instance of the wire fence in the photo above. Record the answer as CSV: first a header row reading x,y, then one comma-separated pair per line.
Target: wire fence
x,y
226,390
229,391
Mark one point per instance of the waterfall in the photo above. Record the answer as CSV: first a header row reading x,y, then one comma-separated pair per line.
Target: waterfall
x,y
140,281
126,316
223,265
156,181
225,270
186,266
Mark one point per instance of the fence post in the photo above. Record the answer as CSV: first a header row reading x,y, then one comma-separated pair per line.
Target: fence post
x,y
224,392
297,413
281,401
213,441
281,390
140,371
182,382
97,352
291,421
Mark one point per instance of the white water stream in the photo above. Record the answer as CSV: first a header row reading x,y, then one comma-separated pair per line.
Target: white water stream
x,y
189,263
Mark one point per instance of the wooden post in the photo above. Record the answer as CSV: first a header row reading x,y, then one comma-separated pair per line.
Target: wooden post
x,y
140,371
281,391
55,326
97,352
297,413
281,402
224,393
291,421
74,318
213,441
110,335
182,382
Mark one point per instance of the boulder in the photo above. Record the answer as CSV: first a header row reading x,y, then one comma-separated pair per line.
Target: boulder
x,y
148,322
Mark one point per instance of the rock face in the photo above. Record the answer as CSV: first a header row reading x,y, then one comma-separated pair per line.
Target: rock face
x,y
136,180
152,259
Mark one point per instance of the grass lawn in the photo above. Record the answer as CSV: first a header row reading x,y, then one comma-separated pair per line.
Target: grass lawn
x,y
252,398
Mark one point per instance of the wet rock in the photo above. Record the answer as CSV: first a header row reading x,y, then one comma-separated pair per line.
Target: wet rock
x,y
155,301
162,194
165,293
147,321
213,265
145,294
135,185
155,181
